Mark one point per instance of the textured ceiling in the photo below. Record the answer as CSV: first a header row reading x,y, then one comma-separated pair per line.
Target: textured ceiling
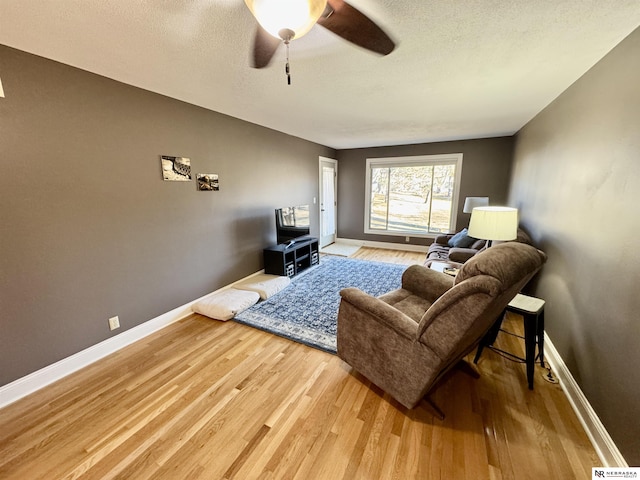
x,y
462,69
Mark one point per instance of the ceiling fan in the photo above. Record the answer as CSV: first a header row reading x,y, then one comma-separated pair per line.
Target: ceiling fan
x,y
281,21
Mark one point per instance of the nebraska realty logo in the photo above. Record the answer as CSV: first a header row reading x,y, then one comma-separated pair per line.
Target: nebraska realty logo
x,y
627,472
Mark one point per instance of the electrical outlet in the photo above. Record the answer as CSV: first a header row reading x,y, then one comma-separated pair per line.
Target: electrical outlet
x,y
406,239
114,322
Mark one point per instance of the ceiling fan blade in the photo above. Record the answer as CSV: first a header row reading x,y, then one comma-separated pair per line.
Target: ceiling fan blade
x,y
355,27
264,47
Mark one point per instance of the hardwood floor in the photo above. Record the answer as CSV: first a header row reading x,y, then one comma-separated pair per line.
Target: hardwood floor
x,y
203,399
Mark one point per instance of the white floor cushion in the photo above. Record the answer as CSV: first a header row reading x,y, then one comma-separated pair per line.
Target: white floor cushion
x,y
226,304
265,285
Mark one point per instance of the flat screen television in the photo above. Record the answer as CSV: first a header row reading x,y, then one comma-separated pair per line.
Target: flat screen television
x,y
292,223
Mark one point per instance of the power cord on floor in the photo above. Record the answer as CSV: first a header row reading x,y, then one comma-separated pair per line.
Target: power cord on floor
x,y
549,377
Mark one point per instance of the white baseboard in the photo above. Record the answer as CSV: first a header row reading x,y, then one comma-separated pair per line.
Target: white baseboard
x,y
388,245
606,449
28,384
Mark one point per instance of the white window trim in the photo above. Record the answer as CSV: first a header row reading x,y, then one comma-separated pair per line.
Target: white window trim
x,y
410,161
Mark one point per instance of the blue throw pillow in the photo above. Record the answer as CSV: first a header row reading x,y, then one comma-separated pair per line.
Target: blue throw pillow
x,y
461,240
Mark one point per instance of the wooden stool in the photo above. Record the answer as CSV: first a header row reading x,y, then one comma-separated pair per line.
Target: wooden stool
x,y
532,311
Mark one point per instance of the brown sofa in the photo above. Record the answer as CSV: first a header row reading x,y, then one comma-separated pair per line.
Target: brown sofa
x,y
440,250
407,339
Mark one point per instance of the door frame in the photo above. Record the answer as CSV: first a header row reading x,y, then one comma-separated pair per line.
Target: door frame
x,y
334,162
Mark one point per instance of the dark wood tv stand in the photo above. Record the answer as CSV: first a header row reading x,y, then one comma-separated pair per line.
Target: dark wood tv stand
x,y
289,260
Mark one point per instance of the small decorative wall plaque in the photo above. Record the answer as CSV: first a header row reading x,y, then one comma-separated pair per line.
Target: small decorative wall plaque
x,y
208,182
176,169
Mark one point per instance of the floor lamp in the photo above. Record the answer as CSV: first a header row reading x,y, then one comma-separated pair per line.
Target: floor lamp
x,y
494,223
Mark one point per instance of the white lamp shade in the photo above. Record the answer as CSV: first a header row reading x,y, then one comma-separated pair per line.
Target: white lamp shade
x,y
296,15
494,223
472,202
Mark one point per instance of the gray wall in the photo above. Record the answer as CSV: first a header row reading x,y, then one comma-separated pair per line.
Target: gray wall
x,y
576,180
90,230
486,168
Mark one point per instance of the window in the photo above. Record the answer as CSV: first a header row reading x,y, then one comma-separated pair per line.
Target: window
x,y
412,196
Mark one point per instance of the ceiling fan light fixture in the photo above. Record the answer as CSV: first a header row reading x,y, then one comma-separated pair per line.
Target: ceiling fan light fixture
x,y
276,16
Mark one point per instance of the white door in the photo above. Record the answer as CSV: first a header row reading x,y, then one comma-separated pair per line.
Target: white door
x,y
328,204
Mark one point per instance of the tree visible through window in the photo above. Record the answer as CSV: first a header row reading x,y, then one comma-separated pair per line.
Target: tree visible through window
x,y
412,196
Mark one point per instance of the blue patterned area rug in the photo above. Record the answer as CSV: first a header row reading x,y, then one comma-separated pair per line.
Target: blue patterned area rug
x,y
307,310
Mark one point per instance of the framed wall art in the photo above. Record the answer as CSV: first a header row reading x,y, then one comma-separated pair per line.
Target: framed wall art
x,y
208,182
176,169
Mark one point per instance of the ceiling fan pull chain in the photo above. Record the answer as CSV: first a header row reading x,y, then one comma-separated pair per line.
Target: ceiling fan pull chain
x,y
286,68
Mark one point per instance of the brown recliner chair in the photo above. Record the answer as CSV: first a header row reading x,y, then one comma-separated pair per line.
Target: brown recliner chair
x,y
405,341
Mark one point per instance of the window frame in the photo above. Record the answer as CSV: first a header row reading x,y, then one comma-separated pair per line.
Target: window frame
x,y
413,161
